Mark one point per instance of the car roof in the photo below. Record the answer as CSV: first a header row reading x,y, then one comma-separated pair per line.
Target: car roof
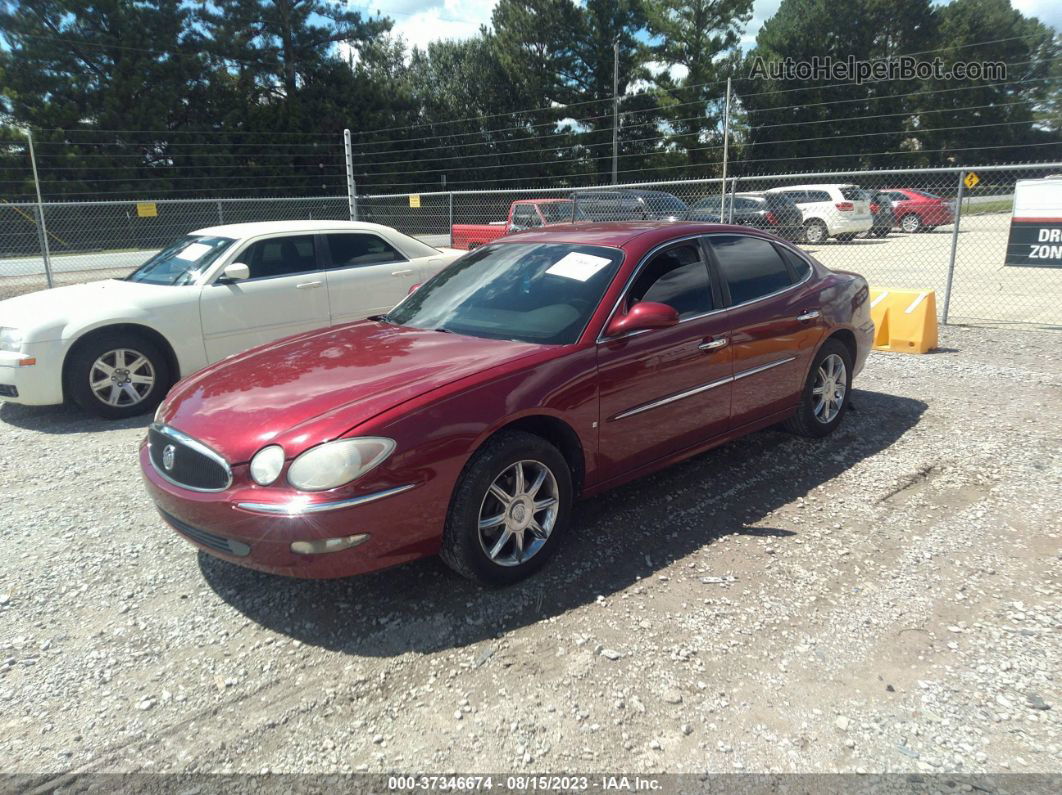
x,y
256,228
619,234
817,186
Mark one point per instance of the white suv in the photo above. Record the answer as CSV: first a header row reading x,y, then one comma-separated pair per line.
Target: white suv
x,y
839,211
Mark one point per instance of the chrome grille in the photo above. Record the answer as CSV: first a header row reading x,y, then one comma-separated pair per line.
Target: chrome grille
x,y
186,462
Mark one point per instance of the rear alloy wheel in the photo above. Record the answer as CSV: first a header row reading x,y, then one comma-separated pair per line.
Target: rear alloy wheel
x,y
911,223
824,400
116,376
815,232
509,510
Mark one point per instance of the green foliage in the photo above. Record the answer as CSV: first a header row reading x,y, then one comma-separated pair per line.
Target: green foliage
x,y
154,98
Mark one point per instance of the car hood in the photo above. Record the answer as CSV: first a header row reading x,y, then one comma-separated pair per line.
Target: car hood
x,y
47,307
313,387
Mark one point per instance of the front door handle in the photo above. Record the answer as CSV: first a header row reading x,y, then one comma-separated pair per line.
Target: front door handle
x,y
404,272
804,318
711,345
307,285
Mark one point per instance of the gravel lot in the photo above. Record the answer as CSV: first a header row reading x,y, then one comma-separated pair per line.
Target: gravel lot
x,y
887,600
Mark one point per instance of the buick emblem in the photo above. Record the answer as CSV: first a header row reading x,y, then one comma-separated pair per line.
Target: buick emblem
x,y
167,457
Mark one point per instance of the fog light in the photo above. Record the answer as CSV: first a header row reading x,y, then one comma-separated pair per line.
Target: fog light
x,y
323,545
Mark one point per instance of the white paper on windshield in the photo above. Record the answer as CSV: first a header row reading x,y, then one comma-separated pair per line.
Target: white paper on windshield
x,y
192,251
578,266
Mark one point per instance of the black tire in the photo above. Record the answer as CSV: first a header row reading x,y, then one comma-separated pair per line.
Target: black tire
x,y
804,422
462,547
911,223
881,231
846,238
83,361
815,232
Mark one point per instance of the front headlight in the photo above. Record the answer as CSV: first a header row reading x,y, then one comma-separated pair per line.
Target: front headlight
x,y
10,339
266,464
335,463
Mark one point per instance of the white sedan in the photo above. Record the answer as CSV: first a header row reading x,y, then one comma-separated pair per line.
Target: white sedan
x,y
116,346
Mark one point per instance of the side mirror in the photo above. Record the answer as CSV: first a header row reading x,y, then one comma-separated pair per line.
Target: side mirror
x,y
642,316
235,272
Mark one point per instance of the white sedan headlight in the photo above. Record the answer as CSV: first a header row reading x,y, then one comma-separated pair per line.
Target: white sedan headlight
x,y
10,339
335,463
266,464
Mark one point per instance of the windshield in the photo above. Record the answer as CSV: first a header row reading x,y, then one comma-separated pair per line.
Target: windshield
x,y
181,262
561,212
529,292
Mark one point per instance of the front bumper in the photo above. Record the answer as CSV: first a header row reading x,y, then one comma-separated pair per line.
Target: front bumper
x,y
37,384
236,525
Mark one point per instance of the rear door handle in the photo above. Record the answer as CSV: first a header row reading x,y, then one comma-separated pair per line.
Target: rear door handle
x,y
711,345
307,285
804,318
404,272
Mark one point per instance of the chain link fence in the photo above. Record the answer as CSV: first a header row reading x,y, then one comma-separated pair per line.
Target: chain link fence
x,y
906,229
938,229
99,240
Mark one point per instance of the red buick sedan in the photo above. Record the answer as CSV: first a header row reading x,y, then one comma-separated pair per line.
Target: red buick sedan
x,y
543,367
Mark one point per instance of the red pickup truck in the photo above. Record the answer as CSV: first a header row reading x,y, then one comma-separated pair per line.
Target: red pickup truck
x,y
523,214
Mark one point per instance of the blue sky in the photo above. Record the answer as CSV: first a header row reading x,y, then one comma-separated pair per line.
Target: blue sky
x,y
422,21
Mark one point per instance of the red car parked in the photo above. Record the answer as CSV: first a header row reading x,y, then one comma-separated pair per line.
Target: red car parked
x,y
553,364
916,210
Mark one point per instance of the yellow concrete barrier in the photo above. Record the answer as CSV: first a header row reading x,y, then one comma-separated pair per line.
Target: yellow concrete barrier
x,y
904,320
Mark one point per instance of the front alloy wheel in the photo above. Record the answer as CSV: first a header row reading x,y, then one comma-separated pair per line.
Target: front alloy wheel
x,y
121,377
116,375
509,509
518,513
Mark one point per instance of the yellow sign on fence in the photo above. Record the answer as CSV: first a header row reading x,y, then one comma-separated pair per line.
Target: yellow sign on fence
x,y
414,200
146,210
971,180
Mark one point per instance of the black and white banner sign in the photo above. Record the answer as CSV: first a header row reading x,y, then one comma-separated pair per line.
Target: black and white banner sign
x,y
1036,224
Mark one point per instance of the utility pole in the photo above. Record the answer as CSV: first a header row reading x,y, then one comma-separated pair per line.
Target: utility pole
x,y
726,144
615,109
352,188
42,229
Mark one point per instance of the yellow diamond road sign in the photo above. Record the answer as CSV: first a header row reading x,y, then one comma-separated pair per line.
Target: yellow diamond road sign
x,y
971,180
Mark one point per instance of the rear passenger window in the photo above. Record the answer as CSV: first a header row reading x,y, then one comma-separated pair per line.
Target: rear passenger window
x,y
801,267
353,250
677,277
818,196
750,266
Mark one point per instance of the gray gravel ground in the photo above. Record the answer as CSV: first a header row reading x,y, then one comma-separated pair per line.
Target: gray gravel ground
x,y
886,600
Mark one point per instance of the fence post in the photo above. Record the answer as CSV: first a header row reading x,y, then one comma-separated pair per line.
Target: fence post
x,y
450,229
42,229
352,188
726,146
954,244
730,209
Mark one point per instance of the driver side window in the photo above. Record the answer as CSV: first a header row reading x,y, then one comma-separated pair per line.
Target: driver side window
x,y
525,217
280,256
677,277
